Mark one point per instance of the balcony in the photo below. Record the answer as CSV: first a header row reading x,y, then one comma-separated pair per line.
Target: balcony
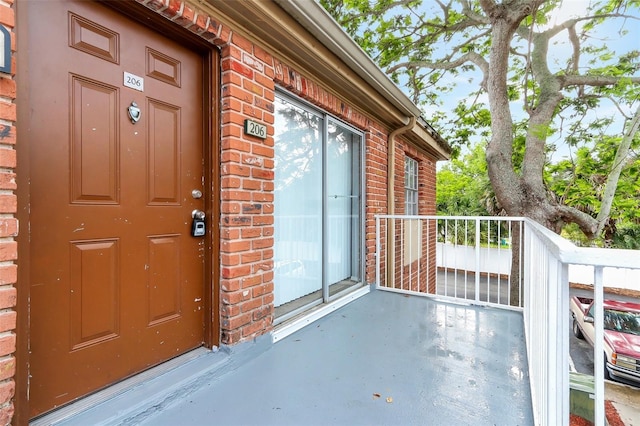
x,y
383,359
449,333
473,262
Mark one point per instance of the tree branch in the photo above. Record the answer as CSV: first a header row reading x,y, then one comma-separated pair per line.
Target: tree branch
x,y
614,175
585,222
444,65
555,30
593,80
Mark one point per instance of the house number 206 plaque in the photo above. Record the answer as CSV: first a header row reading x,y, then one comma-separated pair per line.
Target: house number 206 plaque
x,y
256,129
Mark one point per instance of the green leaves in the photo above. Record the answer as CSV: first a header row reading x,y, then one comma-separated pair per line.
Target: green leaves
x,y
463,187
579,183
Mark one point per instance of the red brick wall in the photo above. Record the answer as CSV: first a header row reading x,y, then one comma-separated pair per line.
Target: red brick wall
x,y
8,226
247,183
376,194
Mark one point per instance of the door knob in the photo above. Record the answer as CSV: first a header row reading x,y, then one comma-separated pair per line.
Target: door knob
x,y
198,214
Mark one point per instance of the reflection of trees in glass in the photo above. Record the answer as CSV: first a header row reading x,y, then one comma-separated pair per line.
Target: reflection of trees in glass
x,y
342,138
341,149
298,185
314,157
298,144
298,150
298,201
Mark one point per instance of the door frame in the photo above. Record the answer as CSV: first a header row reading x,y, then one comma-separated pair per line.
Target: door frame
x,y
210,55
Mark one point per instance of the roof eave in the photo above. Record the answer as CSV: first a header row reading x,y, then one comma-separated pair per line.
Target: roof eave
x,y
312,16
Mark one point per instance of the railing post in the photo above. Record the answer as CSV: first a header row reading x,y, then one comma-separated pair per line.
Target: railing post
x,y
598,347
521,247
477,274
444,257
558,339
378,252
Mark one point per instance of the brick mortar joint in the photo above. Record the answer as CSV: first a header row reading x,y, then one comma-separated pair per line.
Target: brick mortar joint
x,y
9,403
179,12
158,10
231,43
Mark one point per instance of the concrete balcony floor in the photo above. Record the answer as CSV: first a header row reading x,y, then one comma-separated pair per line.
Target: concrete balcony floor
x,y
385,358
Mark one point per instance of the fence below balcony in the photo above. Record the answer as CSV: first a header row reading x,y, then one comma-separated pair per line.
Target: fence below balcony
x,y
510,263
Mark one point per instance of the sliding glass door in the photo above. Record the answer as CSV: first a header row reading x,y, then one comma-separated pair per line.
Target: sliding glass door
x,y
298,204
317,208
343,207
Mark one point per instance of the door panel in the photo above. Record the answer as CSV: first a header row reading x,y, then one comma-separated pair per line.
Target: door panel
x,y
94,171
164,153
116,278
94,295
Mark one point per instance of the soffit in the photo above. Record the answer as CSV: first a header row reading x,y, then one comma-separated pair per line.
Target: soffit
x,y
429,142
269,26
281,33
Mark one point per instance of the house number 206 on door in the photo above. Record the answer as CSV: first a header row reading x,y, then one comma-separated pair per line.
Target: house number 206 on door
x,y
133,81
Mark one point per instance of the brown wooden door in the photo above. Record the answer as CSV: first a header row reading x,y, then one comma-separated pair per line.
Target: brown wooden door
x,y
116,278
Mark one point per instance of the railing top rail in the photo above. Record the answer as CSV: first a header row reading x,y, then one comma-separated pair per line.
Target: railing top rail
x,y
432,217
569,253
560,248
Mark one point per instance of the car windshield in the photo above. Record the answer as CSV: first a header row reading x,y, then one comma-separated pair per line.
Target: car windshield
x,y
624,322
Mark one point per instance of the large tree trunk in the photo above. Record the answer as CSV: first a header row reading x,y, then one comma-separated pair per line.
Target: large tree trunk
x,y
523,193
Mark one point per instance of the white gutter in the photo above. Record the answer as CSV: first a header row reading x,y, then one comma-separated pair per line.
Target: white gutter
x,y
391,164
391,193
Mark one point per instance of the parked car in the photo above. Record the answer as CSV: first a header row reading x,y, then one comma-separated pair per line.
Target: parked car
x,y
621,335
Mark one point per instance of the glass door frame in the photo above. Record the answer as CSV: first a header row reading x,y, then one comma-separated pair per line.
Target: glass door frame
x,y
329,119
361,244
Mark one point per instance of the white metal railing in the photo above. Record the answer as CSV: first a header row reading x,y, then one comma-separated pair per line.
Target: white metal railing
x,y
546,323
451,257
556,258
470,259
